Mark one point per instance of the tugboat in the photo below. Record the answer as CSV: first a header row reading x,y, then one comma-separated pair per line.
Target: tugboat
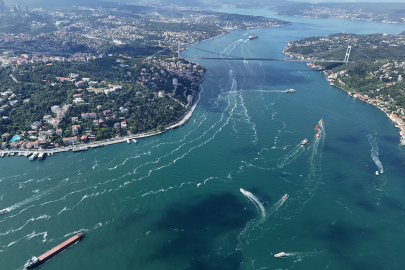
x,y
280,255
304,142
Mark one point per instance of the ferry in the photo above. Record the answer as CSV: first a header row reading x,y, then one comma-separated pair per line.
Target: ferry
x,y
41,156
280,255
285,197
304,142
34,156
253,37
135,141
97,145
318,135
290,90
4,211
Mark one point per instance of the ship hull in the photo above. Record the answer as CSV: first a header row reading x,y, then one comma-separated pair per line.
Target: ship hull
x,y
56,250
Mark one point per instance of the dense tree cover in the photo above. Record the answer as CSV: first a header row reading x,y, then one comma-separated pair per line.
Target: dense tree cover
x,y
371,78
333,47
136,103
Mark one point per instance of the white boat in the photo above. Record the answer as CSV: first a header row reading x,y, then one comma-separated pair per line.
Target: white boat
x,y
34,156
280,255
2,155
285,197
3,211
377,173
41,156
243,191
290,90
135,141
128,141
12,154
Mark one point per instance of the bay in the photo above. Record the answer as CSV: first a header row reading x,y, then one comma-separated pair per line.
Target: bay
x,y
173,201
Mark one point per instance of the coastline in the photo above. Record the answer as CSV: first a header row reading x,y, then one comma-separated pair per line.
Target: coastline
x,y
111,141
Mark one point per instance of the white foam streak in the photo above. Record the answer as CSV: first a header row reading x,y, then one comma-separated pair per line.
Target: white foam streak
x,y
374,152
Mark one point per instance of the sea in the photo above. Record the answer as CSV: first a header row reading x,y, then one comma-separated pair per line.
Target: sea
x,y
173,201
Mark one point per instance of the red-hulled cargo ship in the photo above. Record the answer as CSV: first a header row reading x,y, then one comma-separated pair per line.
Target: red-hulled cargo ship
x,y
36,261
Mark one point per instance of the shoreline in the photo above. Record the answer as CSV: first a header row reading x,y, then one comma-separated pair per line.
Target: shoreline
x,y
96,144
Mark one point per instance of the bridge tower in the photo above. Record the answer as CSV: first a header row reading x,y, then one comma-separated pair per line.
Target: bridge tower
x,y
349,48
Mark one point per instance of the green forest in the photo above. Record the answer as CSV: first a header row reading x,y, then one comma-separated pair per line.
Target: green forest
x,y
136,103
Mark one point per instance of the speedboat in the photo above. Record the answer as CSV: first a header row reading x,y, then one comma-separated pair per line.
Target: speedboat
x,y
377,173
4,211
280,255
290,90
317,128
320,122
243,191
318,135
285,197
304,142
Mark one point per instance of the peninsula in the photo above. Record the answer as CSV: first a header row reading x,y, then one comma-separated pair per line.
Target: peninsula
x,y
102,73
375,76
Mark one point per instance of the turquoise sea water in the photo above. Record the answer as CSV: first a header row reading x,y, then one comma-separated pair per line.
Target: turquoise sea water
x,y
173,201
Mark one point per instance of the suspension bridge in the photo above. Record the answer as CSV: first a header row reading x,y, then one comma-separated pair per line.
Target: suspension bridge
x,y
227,57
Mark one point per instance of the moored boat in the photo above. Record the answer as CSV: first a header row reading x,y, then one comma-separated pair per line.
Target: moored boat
x,y
41,156
128,141
304,142
280,255
33,157
135,141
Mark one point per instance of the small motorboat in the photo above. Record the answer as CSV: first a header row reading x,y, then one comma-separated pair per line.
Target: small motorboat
x,y
318,127
377,173
304,142
280,255
320,122
4,211
318,135
285,197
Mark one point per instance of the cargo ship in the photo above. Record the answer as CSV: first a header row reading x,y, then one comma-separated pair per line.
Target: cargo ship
x,y
36,261
253,37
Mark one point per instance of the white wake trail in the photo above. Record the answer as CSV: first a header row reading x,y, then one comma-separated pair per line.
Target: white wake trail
x,y
374,152
257,203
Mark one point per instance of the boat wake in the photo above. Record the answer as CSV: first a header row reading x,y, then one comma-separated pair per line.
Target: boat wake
x,y
291,156
37,196
257,203
374,152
